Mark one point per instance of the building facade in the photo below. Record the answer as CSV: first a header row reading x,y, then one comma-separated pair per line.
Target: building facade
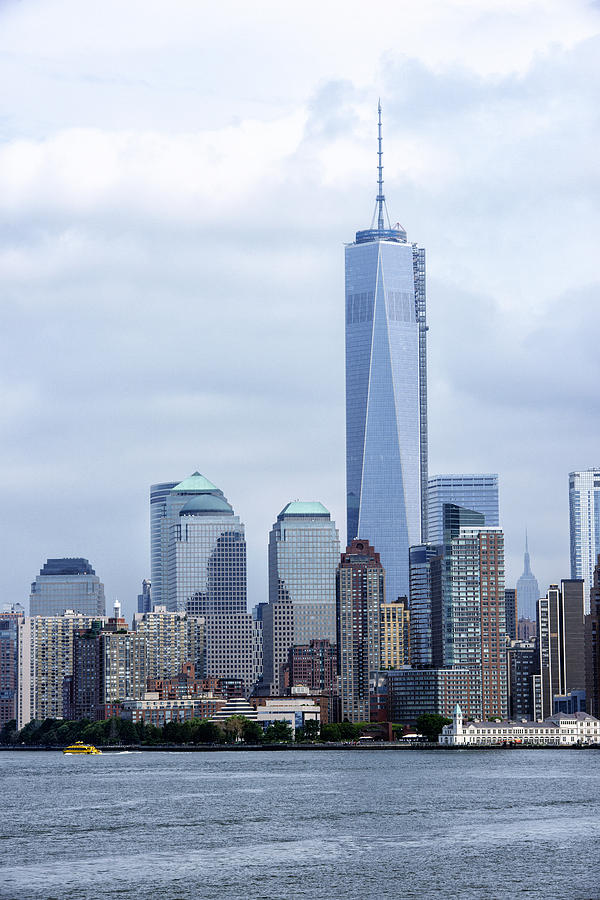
x,y
522,665
409,693
584,522
144,600
172,639
561,644
45,647
161,516
10,620
421,556
360,593
394,635
386,393
592,646
555,731
67,584
510,607
476,492
314,666
528,592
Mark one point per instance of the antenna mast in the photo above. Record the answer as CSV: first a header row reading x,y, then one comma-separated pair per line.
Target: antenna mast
x,y
380,194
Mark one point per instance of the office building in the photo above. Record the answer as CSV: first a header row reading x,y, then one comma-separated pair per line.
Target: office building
x,y
592,646
476,492
386,392
522,665
528,592
304,551
561,646
45,648
206,550
67,584
510,607
10,619
420,603
584,520
144,600
161,518
394,635
526,628
360,593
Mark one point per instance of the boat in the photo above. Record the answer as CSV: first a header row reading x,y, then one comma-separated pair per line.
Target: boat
x,y
80,748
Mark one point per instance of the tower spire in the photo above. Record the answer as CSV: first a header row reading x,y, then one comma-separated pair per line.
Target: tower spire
x,y
380,194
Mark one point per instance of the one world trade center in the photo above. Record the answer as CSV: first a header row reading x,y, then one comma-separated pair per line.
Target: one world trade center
x,y
386,392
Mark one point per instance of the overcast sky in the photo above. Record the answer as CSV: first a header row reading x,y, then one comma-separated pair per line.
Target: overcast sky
x,y
177,182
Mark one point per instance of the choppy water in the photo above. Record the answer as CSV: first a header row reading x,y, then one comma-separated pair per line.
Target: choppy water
x,y
355,824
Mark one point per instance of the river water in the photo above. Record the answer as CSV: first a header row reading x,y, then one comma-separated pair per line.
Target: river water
x,y
352,824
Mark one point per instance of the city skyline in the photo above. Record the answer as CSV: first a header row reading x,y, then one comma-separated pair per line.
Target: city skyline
x,y
136,203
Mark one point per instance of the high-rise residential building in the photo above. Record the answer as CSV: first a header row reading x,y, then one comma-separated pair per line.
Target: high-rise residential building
x,y
10,619
409,693
467,599
592,646
528,592
67,584
360,593
109,666
45,647
584,520
304,551
172,640
394,635
313,666
561,646
144,600
476,492
510,606
386,391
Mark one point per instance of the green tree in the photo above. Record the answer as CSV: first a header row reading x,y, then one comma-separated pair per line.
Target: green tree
x,y
9,733
349,731
430,725
279,732
311,730
331,733
252,732
205,731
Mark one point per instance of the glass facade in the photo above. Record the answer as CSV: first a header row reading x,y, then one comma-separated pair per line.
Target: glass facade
x,y
386,397
160,519
477,492
67,584
584,520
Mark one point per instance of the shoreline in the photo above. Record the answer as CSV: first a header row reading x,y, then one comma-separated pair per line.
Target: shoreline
x,y
240,748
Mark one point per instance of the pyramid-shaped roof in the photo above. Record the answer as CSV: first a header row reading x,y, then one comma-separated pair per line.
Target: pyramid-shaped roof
x,y
196,483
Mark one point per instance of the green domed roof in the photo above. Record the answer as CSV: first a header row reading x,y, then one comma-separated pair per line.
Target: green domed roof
x,y
195,483
206,505
303,508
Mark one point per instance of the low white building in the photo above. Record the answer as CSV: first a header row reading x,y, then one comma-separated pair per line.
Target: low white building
x,y
295,711
561,730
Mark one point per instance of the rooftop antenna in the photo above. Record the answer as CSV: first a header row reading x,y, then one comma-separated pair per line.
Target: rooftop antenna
x,y
380,194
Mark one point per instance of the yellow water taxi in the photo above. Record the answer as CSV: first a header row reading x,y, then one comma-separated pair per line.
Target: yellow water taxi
x,y
80,747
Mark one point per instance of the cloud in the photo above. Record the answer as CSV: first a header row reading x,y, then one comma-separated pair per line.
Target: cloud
x,y
173,207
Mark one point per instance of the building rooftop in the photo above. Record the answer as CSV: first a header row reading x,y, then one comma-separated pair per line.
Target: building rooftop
x,y
75,565
196,483
304,508
205,505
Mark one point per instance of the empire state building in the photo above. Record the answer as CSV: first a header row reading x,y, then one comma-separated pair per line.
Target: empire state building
x,y
386,392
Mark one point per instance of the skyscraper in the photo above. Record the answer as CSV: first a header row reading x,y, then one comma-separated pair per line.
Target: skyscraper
x,y
67,584
360,593
476,492
304,551
592,647
160,520
584,520
528,592
10,619
386,391
561,643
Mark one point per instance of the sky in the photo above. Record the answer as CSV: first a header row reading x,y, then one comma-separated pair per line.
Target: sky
x,y
177,182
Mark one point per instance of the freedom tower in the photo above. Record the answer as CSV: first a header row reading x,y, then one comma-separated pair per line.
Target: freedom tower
x,y
386,392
